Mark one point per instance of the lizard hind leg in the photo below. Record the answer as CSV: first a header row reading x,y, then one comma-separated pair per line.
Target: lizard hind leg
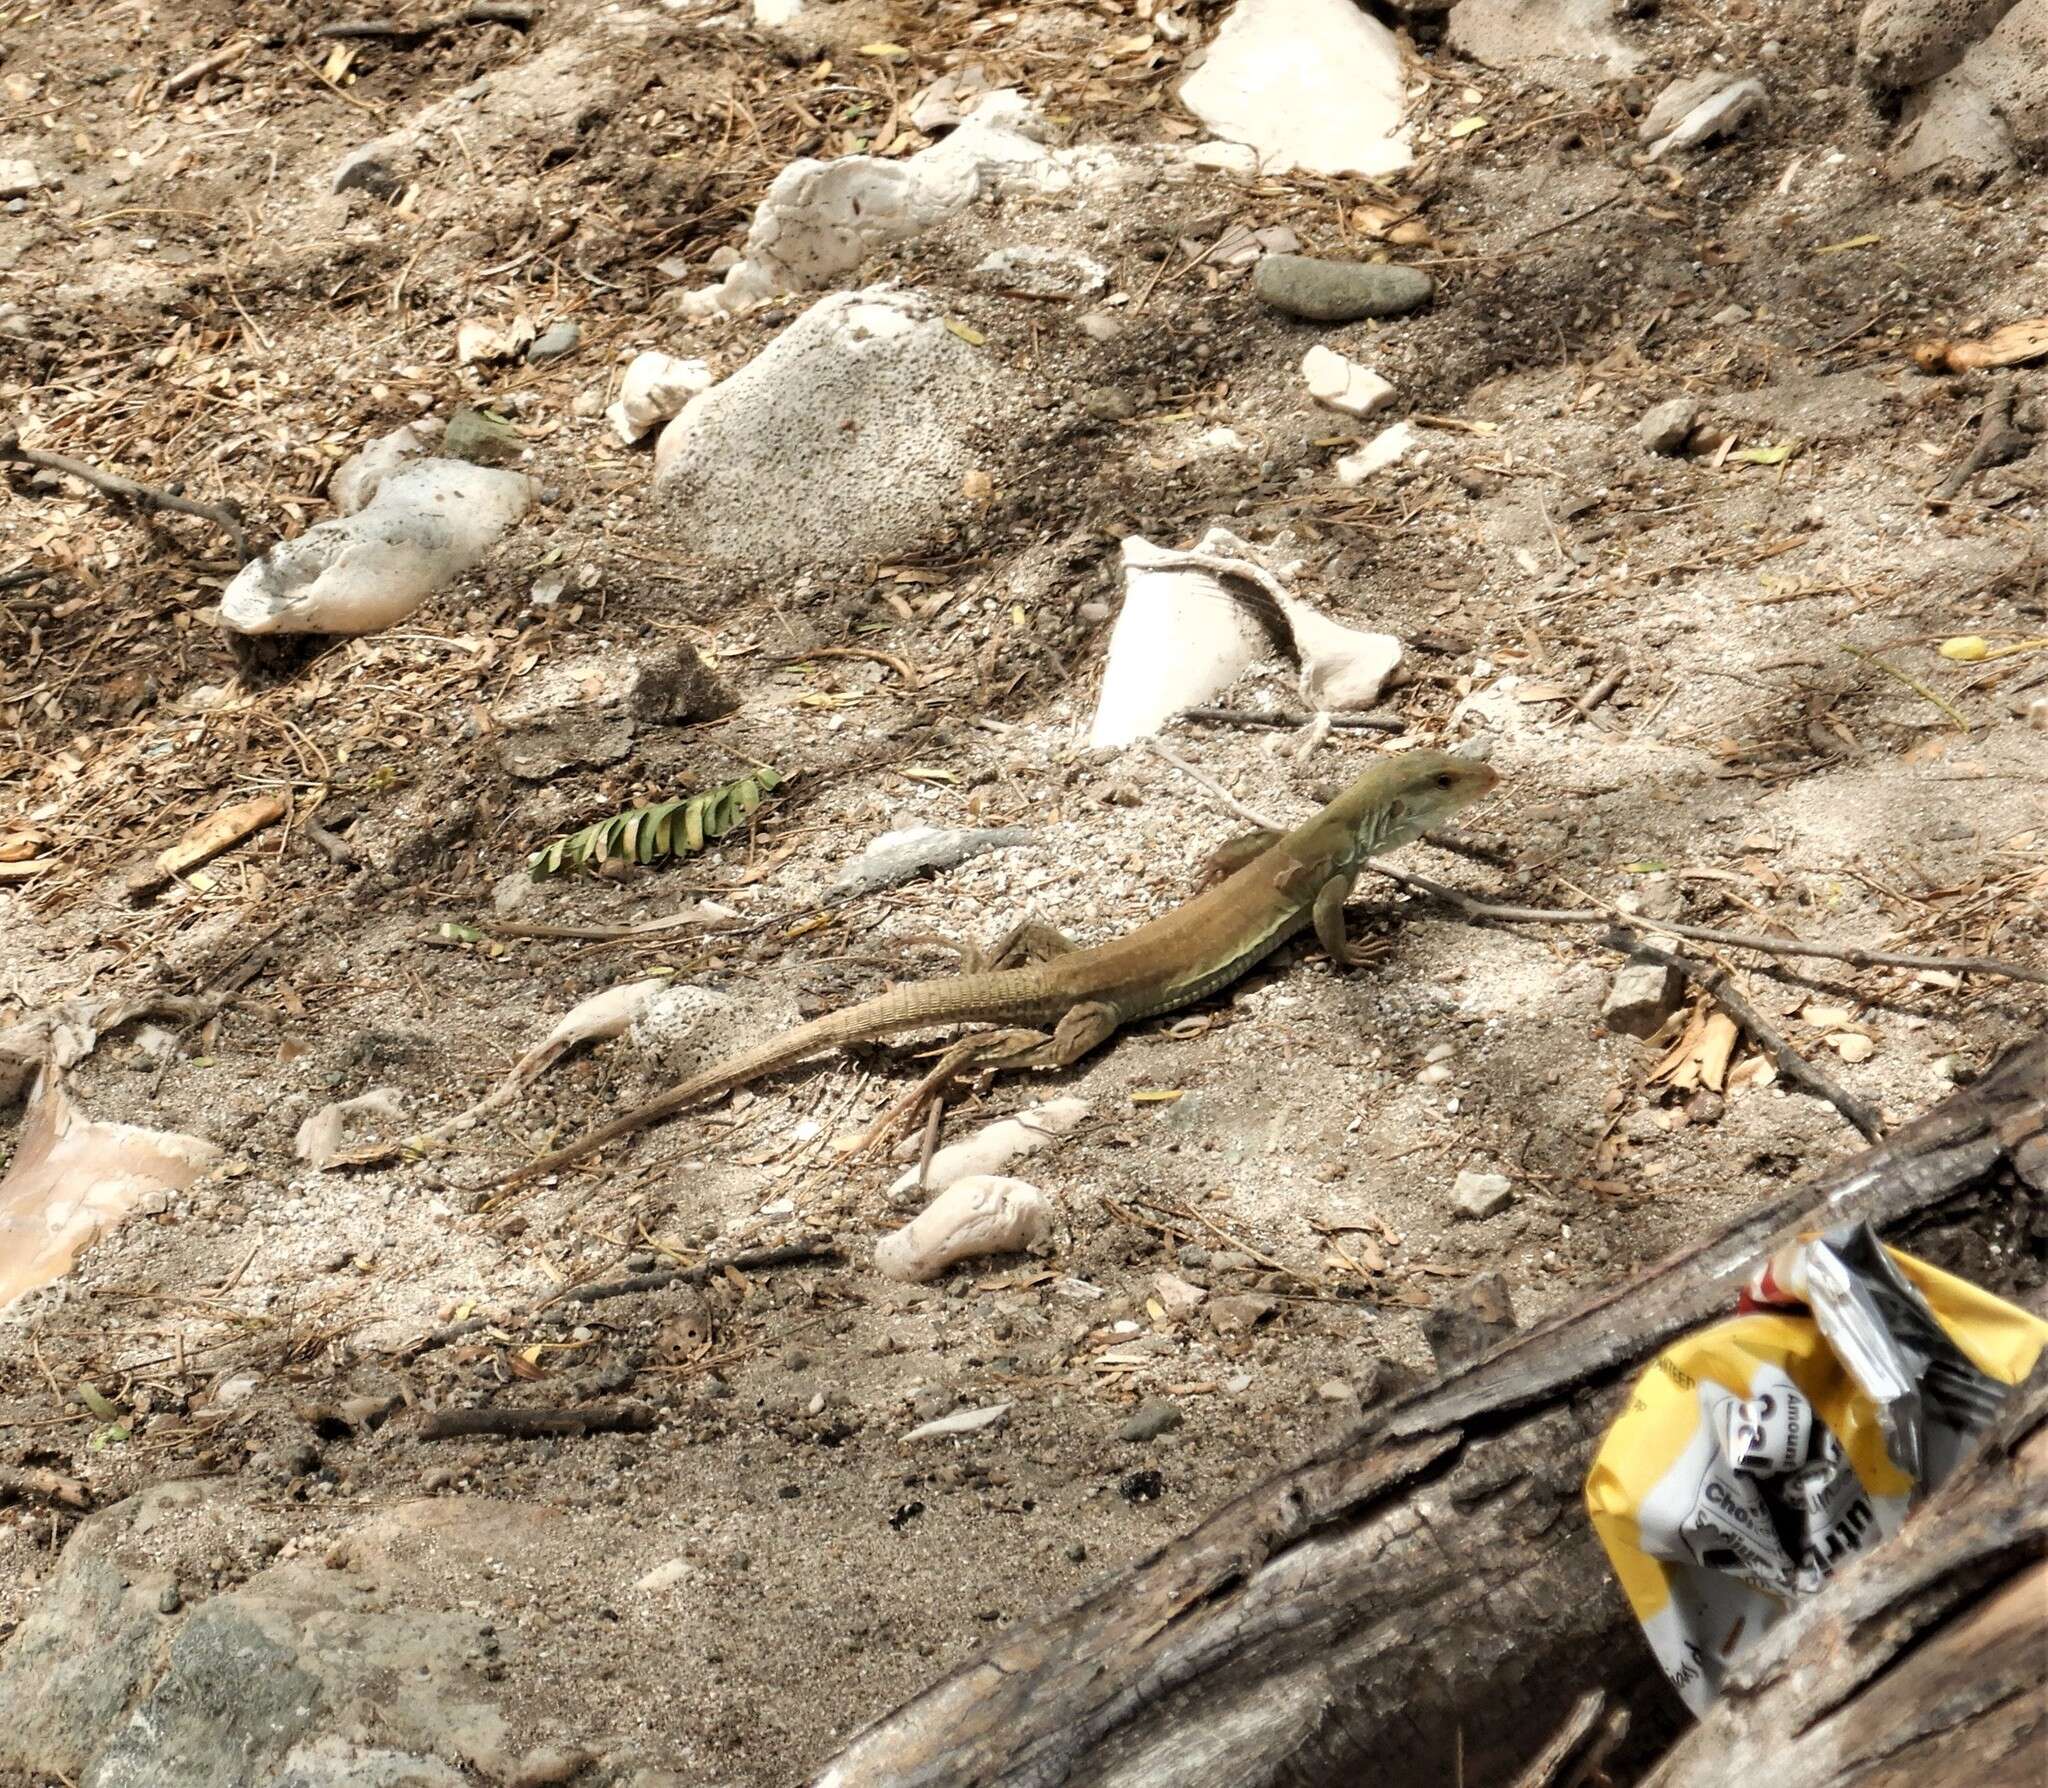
x,y
1083,1027
1232,855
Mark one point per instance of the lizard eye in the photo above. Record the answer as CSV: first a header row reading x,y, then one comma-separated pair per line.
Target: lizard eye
x,y
1445,779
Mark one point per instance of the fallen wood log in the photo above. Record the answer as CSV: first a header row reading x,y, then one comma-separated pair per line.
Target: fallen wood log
x,y
1926,1663
1423,1602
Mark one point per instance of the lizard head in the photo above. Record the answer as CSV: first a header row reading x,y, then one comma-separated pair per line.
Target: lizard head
x,y
1421,790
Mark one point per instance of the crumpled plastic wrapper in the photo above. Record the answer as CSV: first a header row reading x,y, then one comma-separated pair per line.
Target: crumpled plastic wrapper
x,y
1758,1457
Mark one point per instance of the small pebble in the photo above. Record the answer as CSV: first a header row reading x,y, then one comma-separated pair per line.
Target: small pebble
x,y
553,343
1339,291
548,1767
1154,1417
1481,1194
169,1601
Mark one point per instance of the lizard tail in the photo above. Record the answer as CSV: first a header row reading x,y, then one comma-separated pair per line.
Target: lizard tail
x,y
905,1009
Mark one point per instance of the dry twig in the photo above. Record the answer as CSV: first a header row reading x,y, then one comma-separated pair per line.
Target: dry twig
x,y
1282,717
1711,978
127,490
1997,442
536,1424
1853,954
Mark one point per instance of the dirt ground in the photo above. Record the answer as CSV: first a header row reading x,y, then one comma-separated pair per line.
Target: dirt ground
x,y
731,1594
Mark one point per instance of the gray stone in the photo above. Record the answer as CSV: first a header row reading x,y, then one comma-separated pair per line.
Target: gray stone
x,y
294,1680
482,438
1643,995
1152,1418
553,343
380,168
681,1030
1465,1323
1989,109
1239,1314
1902,43
1340,291
850,437
916,850
584,713
1108,403
1664,427
1481,1194
18,177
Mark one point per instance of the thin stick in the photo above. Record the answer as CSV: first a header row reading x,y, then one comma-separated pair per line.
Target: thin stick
x,y
1714,980
1600,691
1854,955
195,72
536,1424
931,1141
588,934
1283,718
810,1248
894,660
1577,217
1911,682
1997,441
126,489
1247,814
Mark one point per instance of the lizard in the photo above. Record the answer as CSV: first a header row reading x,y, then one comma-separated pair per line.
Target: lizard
x,y
1278,885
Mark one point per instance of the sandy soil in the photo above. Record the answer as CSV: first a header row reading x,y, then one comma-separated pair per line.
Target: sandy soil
x,y
190,302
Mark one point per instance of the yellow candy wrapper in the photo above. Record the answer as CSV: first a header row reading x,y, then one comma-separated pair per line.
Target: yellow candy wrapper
x,y
1757,1457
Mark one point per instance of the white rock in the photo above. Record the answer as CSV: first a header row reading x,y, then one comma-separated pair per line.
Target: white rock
x,y
994,1146
655,388
776,15
664,1576
1343,385
1181,638
962,1421
941,104
1691,112
1481,1194
1311,84
1383,450
1176,1296
477,341
2037,714
18,177
683,1029
821,219
1222,158
982,1215
427,525
847,438
356,479
1043,272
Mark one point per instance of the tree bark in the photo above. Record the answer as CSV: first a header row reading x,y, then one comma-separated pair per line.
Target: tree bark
x,y
1424,1601
1925,1666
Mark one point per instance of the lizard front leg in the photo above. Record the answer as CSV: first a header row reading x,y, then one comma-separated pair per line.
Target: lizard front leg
x,y
1329,921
